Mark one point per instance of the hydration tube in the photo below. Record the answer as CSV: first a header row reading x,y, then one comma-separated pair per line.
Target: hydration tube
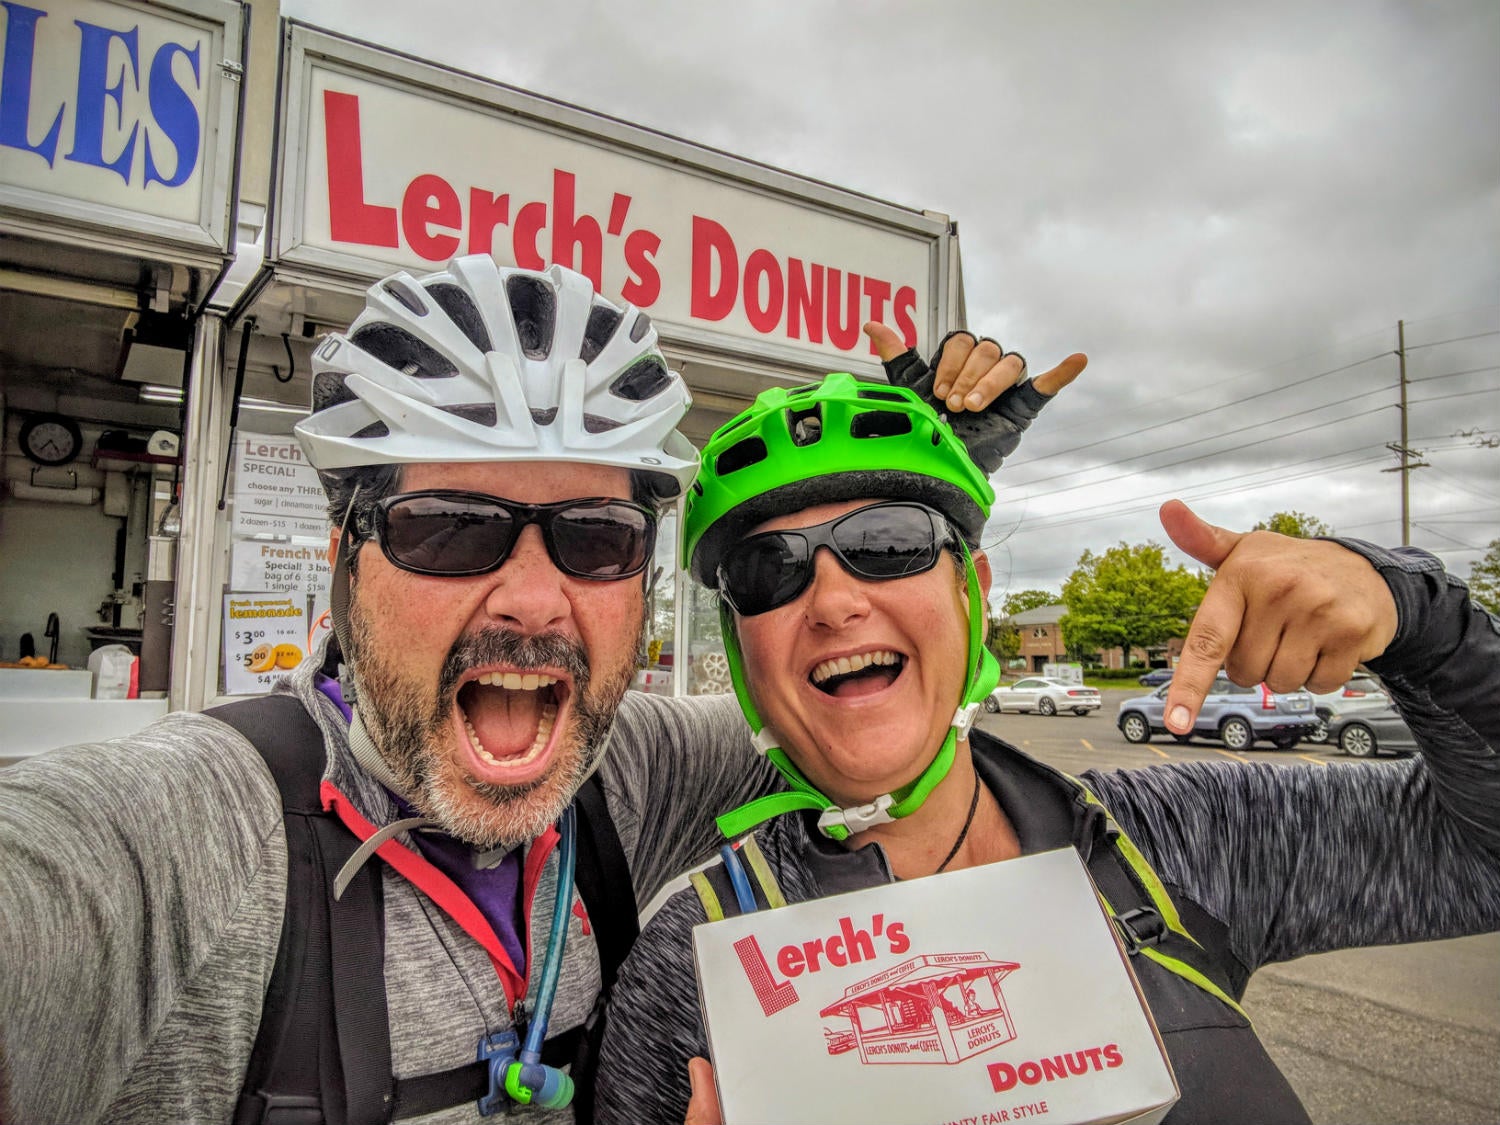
x,y
529,1081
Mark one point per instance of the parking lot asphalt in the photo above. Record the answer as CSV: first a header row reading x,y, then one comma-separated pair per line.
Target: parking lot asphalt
x,y
1382,1036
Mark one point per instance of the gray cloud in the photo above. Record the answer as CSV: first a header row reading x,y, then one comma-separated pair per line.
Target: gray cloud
x,y
1211,201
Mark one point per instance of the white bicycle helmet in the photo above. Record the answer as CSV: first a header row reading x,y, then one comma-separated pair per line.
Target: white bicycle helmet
x,y
483,363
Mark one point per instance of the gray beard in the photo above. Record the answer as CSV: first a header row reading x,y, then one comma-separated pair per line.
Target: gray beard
x,y
408,727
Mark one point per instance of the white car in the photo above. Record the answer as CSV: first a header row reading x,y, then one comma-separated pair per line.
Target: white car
x,y
1043,695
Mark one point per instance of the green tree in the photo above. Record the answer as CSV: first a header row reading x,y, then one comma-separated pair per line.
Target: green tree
x,y
1299,525
1022,600
1484,578
1128,597
1004,641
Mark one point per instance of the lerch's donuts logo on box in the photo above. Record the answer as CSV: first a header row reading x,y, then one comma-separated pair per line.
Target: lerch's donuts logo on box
x,y
937,1007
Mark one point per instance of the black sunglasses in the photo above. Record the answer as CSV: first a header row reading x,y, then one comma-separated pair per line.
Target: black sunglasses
x,y
880,542
457,534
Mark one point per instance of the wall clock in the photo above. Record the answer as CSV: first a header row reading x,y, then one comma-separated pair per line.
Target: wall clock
x,y
50,439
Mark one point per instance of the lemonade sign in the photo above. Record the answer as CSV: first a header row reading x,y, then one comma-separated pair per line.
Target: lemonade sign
x,y
263,638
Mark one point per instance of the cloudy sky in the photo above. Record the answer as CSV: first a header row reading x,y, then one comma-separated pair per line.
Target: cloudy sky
x,y
1227,207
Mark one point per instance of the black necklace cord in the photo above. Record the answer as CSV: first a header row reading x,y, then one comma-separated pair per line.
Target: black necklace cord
x,y
963,833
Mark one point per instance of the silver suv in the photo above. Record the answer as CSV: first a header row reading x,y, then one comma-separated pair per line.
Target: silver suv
x,y
1236,716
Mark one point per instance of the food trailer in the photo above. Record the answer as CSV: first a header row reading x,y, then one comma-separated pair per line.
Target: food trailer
x,y
753,277
186,209
941,1008
119,131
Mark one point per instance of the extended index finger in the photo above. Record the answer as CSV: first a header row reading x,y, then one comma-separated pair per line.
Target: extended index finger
x,y
1210,637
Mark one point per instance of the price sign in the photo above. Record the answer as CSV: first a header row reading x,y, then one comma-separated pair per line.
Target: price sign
x,y
276,492
264,635
255,564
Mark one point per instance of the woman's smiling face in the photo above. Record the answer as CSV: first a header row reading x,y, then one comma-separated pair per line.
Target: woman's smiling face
x,y
859,679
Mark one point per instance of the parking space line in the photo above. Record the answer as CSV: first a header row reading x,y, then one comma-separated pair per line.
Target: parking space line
x,y
1314,761
1230,754
1087,745
1158,753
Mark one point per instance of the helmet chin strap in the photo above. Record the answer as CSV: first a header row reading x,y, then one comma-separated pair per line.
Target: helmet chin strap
x,y
338,602
839,823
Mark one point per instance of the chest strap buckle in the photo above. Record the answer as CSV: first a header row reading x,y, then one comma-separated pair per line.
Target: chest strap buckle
x,y
1140,927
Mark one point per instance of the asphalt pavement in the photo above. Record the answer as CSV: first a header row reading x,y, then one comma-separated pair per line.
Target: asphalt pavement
x,y
1395,1035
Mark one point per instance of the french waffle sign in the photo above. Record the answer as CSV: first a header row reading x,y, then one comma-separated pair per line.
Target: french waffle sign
x,y
993,994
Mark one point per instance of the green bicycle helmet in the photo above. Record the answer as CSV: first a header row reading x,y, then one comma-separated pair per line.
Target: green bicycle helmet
x,y
838,439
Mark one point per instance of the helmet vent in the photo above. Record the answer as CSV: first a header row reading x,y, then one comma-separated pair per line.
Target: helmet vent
x,y
544,417
740,455
483,413
598,424
329,390
879,423
603,320
462,311
805,426
375,429
533,306
646,378
398,348
406,295
639,329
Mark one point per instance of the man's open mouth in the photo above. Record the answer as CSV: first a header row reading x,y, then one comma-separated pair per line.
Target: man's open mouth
x,y
848,677
509,716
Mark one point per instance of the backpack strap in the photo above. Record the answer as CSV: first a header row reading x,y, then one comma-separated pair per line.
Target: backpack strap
x,y
1144,914
602,876
726,891
328,985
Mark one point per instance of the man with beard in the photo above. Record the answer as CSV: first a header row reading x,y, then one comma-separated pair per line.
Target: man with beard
x,y
496,445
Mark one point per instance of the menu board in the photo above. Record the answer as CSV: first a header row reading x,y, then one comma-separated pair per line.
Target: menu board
x,y
260,564
276,492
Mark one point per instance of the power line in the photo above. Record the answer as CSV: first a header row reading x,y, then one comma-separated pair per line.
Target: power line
x,y
1092,515
1177,397
1211,437
1435,531
1444,518
1201,413
1456,394
1453,374
1465,485
1452,340
1197,457
1277,474
1183,491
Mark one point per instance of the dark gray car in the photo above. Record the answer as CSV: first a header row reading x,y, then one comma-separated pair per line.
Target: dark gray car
x,y
1236,716
1367,732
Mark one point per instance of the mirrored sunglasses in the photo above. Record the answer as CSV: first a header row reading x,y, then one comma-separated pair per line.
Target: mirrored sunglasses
x,y
457,534
880,542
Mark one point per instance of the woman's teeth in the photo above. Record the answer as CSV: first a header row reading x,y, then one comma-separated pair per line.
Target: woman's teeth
x,y
543,732
844,665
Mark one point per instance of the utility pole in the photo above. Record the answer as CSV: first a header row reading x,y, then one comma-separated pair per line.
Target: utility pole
x,y
1400,448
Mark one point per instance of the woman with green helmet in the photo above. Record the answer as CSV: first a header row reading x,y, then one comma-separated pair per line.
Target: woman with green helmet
x,y
866,721
839,525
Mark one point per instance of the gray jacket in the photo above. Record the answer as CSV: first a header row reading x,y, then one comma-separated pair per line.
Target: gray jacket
x,y
142,884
